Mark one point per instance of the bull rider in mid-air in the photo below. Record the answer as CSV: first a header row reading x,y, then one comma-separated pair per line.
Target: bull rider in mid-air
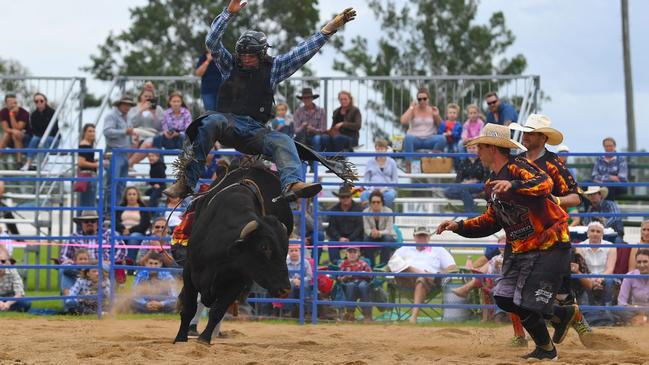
x,y
246,103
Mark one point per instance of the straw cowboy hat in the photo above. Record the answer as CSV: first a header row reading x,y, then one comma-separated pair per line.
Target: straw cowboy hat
x,y
86,215
124,100
307,91
597,189
540,123
496,135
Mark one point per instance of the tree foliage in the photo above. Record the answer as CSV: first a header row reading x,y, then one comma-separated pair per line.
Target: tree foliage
x,y
167,36
12,67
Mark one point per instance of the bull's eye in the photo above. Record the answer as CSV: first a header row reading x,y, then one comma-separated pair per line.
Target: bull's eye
x,y
267,251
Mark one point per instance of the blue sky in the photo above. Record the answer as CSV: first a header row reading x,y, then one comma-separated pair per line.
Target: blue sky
x,y
575,46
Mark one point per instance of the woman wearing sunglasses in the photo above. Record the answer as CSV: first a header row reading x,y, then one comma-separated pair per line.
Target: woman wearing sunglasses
x,y
39,119
422,121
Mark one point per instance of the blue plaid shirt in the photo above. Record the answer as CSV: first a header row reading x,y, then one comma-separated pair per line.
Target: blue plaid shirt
x,y
283,65
165,293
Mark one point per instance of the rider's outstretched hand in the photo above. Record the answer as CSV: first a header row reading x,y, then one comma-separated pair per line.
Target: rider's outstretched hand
x,y
236,5
338,21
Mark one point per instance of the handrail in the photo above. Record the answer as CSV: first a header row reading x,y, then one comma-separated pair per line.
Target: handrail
x,y
345,78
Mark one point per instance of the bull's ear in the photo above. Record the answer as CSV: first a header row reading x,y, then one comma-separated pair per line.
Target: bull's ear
x,y
248,229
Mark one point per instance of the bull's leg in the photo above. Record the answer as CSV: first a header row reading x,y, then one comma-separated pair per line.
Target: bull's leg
x,y
218,309
188,296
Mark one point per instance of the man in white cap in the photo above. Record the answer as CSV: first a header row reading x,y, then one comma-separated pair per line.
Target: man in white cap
x,y
537,251
597,203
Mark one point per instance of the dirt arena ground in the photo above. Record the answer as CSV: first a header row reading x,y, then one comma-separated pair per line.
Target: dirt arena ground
x,y
148,341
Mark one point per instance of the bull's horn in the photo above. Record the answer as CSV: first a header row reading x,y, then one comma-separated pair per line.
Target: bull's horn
x,y
285,228
248,229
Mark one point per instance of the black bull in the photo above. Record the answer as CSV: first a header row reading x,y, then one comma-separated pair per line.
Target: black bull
x,y
233,243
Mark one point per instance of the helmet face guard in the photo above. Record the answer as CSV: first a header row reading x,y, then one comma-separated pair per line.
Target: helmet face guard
x,y
251,42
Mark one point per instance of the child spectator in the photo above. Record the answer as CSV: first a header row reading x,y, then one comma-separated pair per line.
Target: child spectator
x,y
467,171
473,125
156,171
11,285
451,128
381,169
174,122
283,122
294,262
356,286
70,276
88,284
39,121
154,290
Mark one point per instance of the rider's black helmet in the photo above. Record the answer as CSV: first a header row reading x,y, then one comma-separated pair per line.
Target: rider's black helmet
x,y
252,42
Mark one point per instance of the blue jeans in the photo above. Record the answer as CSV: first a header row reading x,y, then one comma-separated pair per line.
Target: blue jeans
x,y
338,143
388,195
176,143
20,306
436,142
384,251
89,198
209,101
247,136
34,141
465,194
120,161
357,289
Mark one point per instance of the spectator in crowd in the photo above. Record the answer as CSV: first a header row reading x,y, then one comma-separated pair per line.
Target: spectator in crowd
x,y
174,217
344,228
450,128
210,80
133,223
343,134
283,121
378,229
294,263
565,149
310,120
87,238
88,284
423,121
174,122
11,285
467,171
88,165
381,169
39,121
308,223
644,239
596,202
15,125
500,112
611,168
424,260
118,131
159,231
11,227
69,276
634,292
356,286
473,125
146,118
600,260
154,291
156,171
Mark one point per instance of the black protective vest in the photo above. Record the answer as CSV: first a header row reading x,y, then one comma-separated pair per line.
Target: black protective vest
x,y
248,92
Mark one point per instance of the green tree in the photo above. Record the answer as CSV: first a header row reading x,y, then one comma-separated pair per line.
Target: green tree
x,y
167,36
429,37
13,68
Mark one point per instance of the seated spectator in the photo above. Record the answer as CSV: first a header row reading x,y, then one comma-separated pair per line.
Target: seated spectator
x,y
611,168
11,285
381,169
310,121
378,229
644,239
70,276
15,125
499,112
344,228
346,122
423,122
39,120
564,149
154,291
11,227
174,122
294,263
87,238
88,284
468,171
356,286
175,208
156,171
596,202
283,121
88,166
635,291
146,118
133,223
473,125
424,260
450,128
158,231
600,260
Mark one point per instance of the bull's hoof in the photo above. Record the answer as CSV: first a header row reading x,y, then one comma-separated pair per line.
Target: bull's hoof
x,y
180,338
202,340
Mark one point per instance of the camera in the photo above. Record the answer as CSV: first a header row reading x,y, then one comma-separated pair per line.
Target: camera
x,y
153,103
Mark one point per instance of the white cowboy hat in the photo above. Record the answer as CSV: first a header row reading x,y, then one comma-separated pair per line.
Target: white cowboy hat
x,y
540,123
597,189
496,135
